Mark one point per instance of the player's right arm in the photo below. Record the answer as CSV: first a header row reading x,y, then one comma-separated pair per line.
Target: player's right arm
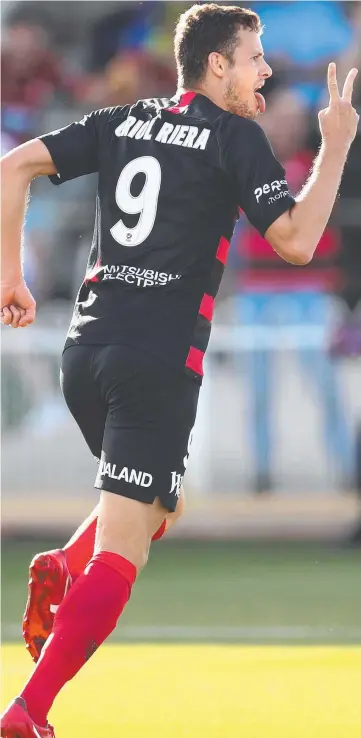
x,y
18,168
62,155
305,223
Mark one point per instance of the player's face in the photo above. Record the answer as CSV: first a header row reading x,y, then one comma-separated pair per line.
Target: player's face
x,y
248,72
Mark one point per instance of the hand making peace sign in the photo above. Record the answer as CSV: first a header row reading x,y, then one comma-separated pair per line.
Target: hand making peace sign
x,y
338,122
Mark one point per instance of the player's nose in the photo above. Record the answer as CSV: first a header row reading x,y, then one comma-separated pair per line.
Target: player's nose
x,y
267,70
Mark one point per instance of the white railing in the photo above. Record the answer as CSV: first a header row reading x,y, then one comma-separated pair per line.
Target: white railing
x,y
225,436
45,458
50,341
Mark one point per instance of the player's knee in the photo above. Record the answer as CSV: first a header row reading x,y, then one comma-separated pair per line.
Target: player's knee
x,y
127,549
143,558
125,527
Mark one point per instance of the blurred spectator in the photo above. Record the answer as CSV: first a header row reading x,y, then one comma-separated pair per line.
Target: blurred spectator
x,y
31,74
116,53
351,57
128,77
272,292
301,38
347,338
131,56
7,143
124,29
134,27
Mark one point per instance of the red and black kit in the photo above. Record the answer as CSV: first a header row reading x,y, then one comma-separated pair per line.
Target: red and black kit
x,y
172,178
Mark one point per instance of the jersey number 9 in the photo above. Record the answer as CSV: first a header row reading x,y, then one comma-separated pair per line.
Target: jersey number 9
x,y
145,204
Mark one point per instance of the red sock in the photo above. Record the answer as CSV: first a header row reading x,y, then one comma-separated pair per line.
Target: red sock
x,y
161,530
84,620
80,548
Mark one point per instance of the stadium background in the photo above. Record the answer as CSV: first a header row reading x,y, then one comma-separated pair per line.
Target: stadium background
x,y
268,551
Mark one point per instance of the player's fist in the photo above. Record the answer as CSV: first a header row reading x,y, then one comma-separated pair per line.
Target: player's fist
x,y
18,306
338,122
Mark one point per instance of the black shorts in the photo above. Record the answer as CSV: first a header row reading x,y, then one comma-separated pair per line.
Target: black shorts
x,y
136,416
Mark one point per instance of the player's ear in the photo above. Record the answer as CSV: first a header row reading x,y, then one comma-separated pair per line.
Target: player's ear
x,y
217,63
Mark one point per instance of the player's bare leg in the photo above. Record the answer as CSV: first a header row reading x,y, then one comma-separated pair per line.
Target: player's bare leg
x,y
126,526
96,600
52,573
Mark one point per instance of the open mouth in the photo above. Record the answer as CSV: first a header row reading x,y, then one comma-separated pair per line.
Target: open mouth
x,y
261,103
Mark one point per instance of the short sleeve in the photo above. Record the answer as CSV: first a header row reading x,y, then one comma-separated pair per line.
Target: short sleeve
x,y
258,177
75,148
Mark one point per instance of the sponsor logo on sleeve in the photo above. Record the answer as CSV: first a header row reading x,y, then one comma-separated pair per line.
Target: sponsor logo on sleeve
x,y
276,190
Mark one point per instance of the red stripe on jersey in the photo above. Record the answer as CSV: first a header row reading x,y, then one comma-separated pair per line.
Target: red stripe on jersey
x,y
184,101
200,336
186,98
207,307
222,251
92,275
195,360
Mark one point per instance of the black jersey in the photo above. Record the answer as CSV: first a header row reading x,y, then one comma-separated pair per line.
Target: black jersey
x,y
172,178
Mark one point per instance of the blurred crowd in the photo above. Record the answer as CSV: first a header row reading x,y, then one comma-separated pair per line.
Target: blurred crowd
x,y
56,67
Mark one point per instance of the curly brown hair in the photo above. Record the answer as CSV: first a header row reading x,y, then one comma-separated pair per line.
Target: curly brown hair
x,y
206,28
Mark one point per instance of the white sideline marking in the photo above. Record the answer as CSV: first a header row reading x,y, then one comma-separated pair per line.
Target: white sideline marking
x,y
221,632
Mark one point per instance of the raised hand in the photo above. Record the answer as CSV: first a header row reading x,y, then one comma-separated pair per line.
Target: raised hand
x,y
338,122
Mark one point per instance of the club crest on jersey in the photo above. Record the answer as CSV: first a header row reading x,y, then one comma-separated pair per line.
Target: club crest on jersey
x,y
191,137
177,480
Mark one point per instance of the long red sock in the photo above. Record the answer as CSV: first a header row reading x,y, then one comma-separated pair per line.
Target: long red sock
x,y
80,548
84,620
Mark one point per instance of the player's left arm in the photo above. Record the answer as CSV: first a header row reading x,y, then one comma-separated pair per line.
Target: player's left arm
x,y
261,186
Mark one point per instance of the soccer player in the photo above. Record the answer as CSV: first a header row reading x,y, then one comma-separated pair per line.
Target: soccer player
x,y
172,177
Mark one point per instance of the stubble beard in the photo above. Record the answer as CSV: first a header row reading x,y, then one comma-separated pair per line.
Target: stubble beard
x,y
236,105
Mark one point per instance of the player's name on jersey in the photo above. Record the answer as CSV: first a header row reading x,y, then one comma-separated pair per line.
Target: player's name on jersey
x,y
191,137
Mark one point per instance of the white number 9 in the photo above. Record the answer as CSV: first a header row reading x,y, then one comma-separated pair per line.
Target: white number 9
x,y
145,204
